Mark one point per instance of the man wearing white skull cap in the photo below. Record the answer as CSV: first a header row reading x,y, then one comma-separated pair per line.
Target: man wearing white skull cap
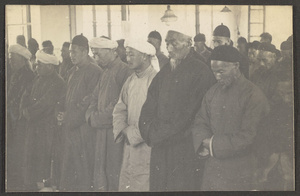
x,y
37,106
173,99
19,76
108,154
135,168
146,48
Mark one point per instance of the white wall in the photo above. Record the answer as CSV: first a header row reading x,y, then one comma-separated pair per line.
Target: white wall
x,y
279,23
51,22
55,25
36,23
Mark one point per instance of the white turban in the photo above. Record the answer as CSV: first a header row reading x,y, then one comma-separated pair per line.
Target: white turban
x,y
184,29
99,42
142,46
46,58
21,50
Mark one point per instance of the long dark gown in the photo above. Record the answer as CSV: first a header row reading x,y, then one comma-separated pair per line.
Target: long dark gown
x,y
78,139
172,102
40,102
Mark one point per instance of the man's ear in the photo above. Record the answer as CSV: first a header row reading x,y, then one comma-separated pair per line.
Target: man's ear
x,y
228,41
190,43
85,50
114,50
144,56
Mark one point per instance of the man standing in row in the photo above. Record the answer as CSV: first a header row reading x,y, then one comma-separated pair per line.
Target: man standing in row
x,y
173,99
201,48
221,37
66,63
226,126
19,79
252,56
154,38
266,77
78,155
135,169
108,154
38,108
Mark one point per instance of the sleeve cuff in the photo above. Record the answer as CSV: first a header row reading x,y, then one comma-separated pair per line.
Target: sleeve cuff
x,y
133,136
210,146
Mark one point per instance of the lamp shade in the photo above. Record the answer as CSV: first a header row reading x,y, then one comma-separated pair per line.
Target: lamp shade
x,y
225,9
169,16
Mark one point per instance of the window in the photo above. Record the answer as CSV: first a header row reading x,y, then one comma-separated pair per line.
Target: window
x,y
17,22
256,22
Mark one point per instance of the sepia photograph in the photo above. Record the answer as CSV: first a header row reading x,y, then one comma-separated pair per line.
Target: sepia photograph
x,y
149,98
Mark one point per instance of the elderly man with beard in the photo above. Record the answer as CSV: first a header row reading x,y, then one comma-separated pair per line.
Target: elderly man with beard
x,y
108,154
226,126
173,99
78,154
38,108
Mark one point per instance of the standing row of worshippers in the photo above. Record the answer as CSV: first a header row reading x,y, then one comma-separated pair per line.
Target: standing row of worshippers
x,y
131,119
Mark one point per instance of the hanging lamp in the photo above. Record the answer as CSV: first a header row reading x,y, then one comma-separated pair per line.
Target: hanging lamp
x,y
225,9
169,16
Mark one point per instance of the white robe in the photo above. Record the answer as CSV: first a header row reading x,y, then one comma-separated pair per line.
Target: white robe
x,y
135,168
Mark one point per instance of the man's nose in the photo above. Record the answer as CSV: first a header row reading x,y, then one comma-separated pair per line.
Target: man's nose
x,y
216,44
128,59
170,48
218,76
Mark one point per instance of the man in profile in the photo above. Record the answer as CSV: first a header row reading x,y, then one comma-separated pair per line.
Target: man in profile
x,y
242,46
154,38
66,63
78,154
38,106
266,38
173,99
108,154
135,168
20,77
201,48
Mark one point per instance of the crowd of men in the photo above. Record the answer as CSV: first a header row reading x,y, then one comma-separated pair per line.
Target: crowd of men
x,y
129,118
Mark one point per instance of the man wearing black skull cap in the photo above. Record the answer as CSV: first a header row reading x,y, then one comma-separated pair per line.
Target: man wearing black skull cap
x,y
221,37
77,163
201,48
227,123
252,56
266,76
154,38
